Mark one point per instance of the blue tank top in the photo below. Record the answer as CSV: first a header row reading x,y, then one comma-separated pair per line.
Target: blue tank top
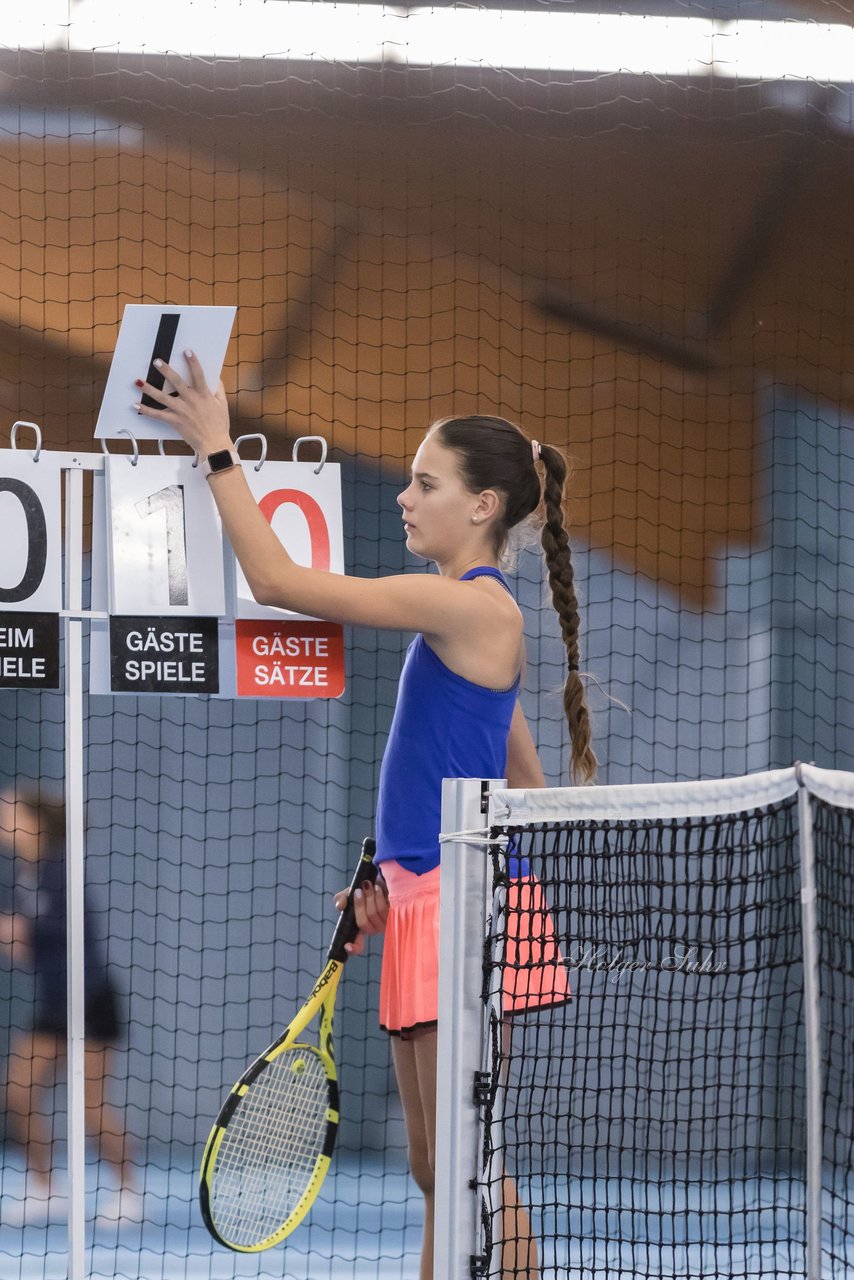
x,y
444,726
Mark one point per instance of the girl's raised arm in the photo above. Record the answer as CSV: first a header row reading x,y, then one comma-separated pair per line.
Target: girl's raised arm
x,y
430,604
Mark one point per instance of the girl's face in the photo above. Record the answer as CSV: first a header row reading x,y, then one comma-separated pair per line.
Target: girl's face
x,y
437,507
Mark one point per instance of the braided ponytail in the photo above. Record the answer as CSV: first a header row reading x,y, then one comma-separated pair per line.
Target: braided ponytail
x,y
555,542
495,453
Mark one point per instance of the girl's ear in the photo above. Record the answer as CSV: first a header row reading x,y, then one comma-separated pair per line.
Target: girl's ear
x,y
488,505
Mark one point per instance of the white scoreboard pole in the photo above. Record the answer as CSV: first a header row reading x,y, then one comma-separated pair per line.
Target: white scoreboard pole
x,y
75,868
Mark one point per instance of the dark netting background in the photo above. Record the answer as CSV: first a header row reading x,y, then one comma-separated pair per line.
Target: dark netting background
x,y
650,272
655,1125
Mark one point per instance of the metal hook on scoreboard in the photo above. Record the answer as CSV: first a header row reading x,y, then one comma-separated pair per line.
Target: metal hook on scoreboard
x,y
34,426
256,435
164,454
123,431
305,440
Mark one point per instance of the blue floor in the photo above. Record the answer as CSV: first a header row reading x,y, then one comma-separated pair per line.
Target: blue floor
x,y
366,1226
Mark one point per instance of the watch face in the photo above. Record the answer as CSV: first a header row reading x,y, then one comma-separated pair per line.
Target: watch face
x,y
220,461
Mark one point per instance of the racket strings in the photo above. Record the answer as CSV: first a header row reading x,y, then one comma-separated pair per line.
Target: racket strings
x,y
269,1150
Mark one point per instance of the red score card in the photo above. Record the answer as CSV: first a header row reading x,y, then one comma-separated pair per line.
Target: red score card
x,y
281,659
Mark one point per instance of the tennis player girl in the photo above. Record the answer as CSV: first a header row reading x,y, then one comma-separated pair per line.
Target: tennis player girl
x,y
457,714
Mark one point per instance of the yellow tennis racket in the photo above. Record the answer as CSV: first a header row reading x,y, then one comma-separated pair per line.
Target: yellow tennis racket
x,y
271,1144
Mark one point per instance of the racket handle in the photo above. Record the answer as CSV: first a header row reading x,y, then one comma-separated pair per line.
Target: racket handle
x,y
347,928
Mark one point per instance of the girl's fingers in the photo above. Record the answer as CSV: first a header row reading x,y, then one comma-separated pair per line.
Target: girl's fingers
x,y
375,910
360,910
180,385
171,375
197,377
155,393
371,911
164,415
358,906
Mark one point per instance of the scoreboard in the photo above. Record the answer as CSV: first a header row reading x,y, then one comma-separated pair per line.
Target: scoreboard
x,y
170,609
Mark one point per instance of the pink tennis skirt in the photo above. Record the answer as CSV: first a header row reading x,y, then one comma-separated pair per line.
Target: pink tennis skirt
x,y
534,972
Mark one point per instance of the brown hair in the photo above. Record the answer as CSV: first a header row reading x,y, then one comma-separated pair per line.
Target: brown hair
x,y
496,454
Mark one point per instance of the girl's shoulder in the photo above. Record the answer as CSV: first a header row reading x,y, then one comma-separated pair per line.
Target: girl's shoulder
x,y
484,641
487,571
491,583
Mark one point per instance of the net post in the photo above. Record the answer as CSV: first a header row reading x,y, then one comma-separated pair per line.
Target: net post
x,y
462,915
74,872
812,1031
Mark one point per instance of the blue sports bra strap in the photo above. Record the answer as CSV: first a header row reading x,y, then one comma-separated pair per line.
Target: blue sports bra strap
x,y
486,571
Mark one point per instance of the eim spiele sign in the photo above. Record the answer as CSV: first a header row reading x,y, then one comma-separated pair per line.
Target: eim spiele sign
x,y
29,651
30,569
164,655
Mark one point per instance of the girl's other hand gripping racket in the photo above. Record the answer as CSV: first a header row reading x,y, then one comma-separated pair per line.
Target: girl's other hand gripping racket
x,y
271,1145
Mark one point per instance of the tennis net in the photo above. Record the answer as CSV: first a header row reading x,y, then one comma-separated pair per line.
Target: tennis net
x,y
689,1111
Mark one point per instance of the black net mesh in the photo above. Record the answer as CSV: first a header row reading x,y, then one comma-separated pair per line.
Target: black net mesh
x,y
834,840
655,1125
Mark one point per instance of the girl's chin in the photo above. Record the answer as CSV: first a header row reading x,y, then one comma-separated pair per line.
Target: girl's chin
x,y
416,547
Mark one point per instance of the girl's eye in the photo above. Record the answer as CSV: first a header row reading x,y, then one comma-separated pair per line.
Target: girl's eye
x,y
425,485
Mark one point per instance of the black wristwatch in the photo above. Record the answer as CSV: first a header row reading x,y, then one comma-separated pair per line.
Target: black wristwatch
x,y
222,460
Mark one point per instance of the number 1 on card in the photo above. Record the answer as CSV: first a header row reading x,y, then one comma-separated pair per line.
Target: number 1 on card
x,y
165,539
170,500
